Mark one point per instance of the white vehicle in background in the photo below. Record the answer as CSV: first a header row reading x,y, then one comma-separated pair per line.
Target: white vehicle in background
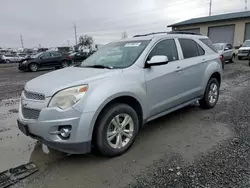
x,y
244,50
11,58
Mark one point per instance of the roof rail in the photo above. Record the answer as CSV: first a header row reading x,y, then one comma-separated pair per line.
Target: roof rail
x,y
170,32
150,34
183,32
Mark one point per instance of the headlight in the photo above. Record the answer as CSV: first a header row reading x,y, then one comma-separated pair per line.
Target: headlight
x,y
24,62
68,97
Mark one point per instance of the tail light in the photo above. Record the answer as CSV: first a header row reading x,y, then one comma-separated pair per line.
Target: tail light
x,y
221,58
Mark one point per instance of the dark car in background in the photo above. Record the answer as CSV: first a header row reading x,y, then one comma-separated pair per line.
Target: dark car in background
x,y
44,60
78,56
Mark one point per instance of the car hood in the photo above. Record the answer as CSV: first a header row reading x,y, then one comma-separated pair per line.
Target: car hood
x,y
50,83
244,48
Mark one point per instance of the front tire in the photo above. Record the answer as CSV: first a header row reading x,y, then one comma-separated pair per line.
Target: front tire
x,y
7,61
211,95
117,128
33,67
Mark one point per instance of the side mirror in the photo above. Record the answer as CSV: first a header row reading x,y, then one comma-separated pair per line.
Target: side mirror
x,y
225,49
40,57
157,60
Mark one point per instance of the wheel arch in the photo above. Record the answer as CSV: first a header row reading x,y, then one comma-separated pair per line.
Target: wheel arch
x,y
124,99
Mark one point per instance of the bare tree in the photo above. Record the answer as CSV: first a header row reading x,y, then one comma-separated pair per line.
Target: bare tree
x,y
124,35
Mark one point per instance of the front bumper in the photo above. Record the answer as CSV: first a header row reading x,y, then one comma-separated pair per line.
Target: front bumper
x,y
44,128
22,66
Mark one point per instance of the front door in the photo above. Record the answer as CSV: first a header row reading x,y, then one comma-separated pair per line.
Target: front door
x,y
163,82
228,52
46,60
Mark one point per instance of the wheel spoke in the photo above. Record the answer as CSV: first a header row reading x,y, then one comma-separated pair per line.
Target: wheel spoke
x,y
126,121
118,143
127,133
116,122
111,135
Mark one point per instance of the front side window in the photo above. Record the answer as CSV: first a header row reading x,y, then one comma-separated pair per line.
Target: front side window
x,y
56,54
229,46
189,48
117,54
166,47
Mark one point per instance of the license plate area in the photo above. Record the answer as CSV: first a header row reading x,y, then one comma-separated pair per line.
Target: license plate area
x,y
23,128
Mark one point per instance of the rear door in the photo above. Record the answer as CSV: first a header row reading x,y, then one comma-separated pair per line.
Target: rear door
x,y
191,69
56,58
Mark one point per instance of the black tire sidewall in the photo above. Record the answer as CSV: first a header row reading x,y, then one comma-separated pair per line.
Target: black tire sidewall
x,y
103,123
206,100
31,65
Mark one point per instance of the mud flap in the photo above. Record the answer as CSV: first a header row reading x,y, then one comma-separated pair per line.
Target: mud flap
x,y
13,175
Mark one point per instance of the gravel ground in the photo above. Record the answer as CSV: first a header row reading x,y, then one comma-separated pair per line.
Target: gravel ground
x,y
12,81
226,165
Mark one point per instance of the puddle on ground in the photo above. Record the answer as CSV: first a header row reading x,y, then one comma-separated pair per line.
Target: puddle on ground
x,y
16,148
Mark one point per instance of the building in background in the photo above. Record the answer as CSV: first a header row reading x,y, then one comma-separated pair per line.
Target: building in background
x,y
232,28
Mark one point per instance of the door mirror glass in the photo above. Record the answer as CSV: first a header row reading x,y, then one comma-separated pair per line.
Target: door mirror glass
x,y
158,60
226,48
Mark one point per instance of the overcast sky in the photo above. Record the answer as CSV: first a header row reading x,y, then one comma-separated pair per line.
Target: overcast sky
x,y
50,22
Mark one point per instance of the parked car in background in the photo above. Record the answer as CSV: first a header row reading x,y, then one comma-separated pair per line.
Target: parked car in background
x,y
44,60
1,59
11,58
22,55
104,103
78,56
226,51
244,50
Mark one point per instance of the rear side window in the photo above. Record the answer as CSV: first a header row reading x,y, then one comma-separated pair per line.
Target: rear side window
x,y
209,44
189,48
166,47
201,50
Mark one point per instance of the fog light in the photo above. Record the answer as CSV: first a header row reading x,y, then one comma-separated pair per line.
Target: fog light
x,y
65,132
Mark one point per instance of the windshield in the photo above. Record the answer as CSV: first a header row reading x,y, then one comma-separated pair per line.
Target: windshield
x,y
117,54
246,44
36,55
219,46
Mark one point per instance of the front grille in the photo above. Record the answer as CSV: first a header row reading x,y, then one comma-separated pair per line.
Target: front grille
x,y
29,113
34,96
243,51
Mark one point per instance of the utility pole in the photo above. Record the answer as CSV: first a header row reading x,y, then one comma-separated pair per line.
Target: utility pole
x,y
245,5
21,37
75,33
210,8
68,42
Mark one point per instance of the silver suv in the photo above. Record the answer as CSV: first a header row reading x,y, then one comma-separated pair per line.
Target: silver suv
x,y
104,101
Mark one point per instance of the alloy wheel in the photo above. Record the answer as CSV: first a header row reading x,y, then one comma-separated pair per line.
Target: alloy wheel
x,y
120,131
213,93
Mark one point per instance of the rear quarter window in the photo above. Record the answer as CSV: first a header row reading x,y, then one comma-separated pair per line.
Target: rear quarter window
x,y
208,43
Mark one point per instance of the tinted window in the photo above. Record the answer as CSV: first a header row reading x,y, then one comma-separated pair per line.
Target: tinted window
x,y
189,48
55,54
209,44
46,55
165,47
229,46
201,50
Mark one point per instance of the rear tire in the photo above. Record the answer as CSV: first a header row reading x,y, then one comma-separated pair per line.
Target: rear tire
x,y
232,60
211,94
64,64
117,128
33,67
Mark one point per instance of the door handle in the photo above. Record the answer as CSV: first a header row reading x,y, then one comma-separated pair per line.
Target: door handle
x,y
178,69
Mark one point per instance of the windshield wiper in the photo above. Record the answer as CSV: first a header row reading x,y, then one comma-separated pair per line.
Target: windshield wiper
x,y
99,66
